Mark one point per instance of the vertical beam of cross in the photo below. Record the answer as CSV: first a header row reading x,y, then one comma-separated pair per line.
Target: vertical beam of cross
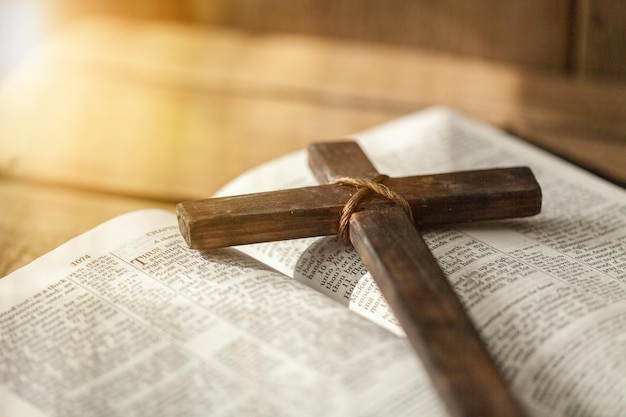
x,y
419,294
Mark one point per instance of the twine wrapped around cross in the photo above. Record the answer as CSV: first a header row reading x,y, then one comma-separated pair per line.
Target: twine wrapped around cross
x,y
391,247
365,187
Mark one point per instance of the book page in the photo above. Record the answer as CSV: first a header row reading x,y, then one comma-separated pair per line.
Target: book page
x,y
125,320
547,293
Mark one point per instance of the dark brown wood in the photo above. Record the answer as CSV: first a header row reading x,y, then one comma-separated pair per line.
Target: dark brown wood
x,y
420,295
331,161
434,320
315,211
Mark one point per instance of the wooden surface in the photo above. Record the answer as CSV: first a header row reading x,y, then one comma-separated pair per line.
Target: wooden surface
x,y
582,37
492,29
315,211
600,38
114,115
420,295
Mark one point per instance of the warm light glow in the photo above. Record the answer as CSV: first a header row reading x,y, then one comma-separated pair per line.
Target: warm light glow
x,y
20,30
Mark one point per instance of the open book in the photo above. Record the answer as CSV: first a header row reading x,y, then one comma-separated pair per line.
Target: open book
x,y
125,320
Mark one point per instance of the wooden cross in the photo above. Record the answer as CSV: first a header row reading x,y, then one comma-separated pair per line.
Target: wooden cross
x,y
392,249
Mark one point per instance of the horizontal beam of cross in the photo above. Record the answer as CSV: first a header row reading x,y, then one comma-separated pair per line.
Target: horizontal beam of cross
x,y
315,211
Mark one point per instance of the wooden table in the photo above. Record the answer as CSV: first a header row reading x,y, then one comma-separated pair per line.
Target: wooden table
x,y
115,115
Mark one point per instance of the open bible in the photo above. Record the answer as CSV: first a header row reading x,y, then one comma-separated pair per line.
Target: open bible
x,y
126,320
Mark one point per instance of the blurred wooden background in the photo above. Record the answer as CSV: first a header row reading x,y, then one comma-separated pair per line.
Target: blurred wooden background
x,y
582,37
121,105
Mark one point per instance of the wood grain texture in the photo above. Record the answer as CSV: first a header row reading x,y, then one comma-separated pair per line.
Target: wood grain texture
x,y
420,295
434,320
331,161
315,211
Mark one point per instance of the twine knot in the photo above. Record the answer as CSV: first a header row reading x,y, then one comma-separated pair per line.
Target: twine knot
x,y
365,188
